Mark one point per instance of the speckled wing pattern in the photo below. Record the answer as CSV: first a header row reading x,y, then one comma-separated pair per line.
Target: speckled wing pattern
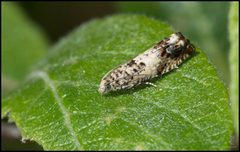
x,y
157,60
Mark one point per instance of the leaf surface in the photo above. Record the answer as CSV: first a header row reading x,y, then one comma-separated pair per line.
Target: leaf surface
x,y
60,107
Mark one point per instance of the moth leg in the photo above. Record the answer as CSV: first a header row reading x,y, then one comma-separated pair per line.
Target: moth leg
x,y
149,83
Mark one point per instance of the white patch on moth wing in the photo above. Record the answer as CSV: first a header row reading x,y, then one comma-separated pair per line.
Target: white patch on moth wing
x,y
151,63
174,38
181,43
152,50
151,53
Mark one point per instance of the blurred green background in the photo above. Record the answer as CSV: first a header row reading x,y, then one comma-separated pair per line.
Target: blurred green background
x,y
204,23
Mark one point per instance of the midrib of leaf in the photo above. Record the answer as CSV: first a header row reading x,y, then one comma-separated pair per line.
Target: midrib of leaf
x,y
65,112
20,36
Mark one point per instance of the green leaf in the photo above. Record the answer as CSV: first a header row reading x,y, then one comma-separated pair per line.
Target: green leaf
x,y
23,44
60,107
234,62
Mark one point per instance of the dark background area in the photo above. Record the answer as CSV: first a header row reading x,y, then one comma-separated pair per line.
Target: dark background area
x,y
59,18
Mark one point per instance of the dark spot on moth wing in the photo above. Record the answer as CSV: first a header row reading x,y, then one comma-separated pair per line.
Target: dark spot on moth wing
x,y
112,78
161,67
164,40
135,70
132,62
155,46
178,52
169,68
176,46
159,43
142,64
163,52
179,34
167,39
125,83
168,55
187,41
119,71
162,43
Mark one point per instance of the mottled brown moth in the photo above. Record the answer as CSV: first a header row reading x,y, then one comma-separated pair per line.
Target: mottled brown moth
x,y
159,59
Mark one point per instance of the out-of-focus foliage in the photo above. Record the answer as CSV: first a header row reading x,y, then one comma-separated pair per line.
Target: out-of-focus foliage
x,y
234,62
23,44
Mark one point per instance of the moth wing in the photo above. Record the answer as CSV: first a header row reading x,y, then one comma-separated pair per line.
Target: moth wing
x,y
109,72
112,70
137,76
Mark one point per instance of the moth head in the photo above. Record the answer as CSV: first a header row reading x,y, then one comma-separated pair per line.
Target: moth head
x,y
181,47
104,86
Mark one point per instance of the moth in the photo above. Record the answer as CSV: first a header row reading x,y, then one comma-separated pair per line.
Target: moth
x,y
157,60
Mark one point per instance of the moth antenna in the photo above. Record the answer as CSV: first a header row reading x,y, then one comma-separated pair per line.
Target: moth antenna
x,y
112,70
115,68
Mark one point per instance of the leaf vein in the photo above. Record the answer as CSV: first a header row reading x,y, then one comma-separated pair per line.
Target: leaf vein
x,y
65,112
